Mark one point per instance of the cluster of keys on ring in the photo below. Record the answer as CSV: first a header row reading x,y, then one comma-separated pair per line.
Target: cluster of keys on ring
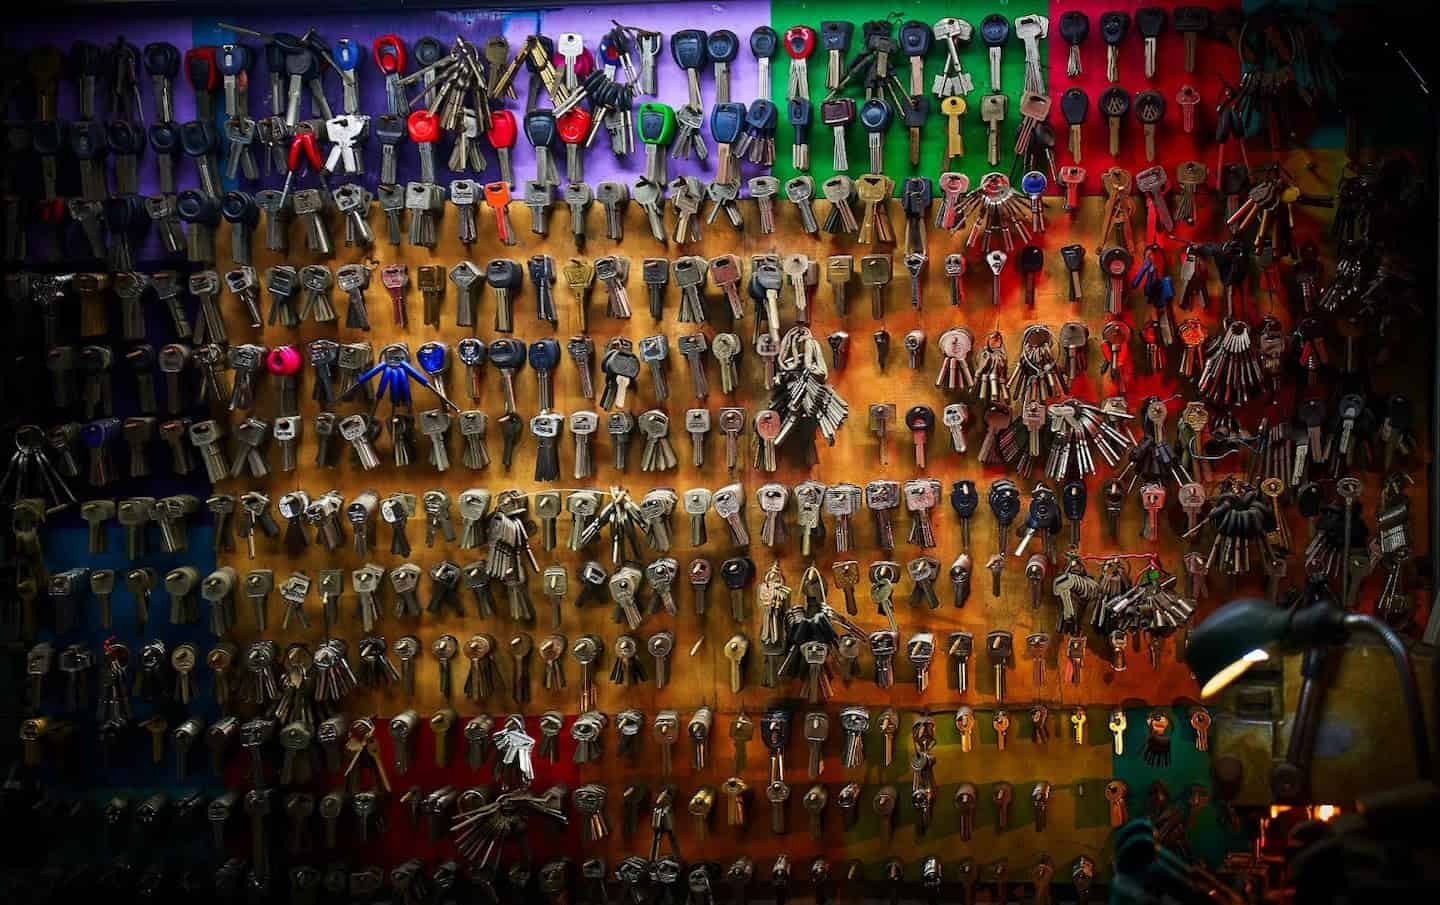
x,y
435,459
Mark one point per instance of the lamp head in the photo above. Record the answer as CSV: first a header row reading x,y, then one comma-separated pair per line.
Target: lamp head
x,y
1245,632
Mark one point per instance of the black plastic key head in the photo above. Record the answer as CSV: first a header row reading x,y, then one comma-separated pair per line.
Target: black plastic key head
x,y
504,273
1311,413
199,137
88,140
1073,256
85,58
507,353
1150,21
688,48
836,35
1032,259
1074,26
916,38
1115,102
1113,26
737,572
48,137
920,418
124,137
1072,500
427,51
1399,414
240,207
161,58
617,362
194,206
125,214
916,112
963,498
1309,497
1075,106
472,351
876,33
1190,19
1044,513
1149,107
1004,500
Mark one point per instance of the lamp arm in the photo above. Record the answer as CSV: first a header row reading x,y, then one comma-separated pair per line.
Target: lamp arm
x,y
1419,738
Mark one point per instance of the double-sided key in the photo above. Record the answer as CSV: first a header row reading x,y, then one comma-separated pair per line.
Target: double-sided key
x,y
1114,25
544,358
689,50
508,355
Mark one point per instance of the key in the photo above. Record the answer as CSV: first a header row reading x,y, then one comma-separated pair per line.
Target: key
x,y
801,192
721,47
1150,23
994,32
692,346
578,197
998,649
1149,109
920,420
660,645
799,44
1117,726
875,271
1190,22
1113,28
1152,500
614,272
1074,28
726,349
1114,103
1115,792
688,48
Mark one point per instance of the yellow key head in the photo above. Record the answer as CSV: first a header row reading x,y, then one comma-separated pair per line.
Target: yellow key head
x,y
953,106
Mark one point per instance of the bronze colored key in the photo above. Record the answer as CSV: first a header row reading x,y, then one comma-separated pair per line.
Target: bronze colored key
x,y
1003,794
875,273
1001,725
846,574
1114,104
1115,792
1149,109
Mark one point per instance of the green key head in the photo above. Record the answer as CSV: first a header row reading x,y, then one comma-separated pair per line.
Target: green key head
x,y
656,123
